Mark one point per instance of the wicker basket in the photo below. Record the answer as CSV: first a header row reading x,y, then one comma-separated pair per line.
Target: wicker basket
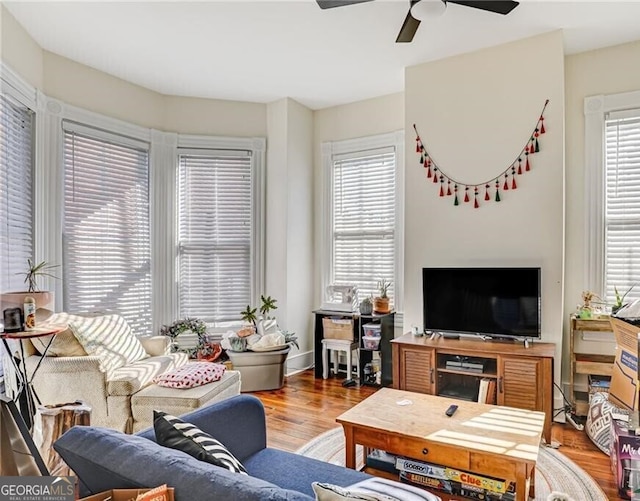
x,y
337,328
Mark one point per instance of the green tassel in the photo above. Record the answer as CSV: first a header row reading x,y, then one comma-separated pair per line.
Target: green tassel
x,y
421,159
497,196
455,200
537,146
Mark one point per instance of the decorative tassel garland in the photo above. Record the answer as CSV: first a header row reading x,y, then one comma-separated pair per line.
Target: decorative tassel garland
x,y
531,147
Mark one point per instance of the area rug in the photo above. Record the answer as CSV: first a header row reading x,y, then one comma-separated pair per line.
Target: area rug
x,y
554,471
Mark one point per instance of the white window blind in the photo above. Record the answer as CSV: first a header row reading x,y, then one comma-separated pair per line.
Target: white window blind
x,y
364,219
622,216
16,192
106,235
215,234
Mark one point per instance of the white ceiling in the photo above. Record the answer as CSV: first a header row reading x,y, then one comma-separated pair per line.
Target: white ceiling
x,y
261,51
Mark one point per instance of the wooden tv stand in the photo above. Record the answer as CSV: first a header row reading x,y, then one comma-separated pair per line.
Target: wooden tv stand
x,y
523,376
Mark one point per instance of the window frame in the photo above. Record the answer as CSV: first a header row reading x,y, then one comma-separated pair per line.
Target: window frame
x,y
256,147
596,109
107,137
21,93
330,149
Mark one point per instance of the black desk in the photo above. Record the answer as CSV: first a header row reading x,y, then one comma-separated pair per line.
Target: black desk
x,y
387,325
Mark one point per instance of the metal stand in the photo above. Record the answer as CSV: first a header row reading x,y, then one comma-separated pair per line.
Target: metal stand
x,y
26,435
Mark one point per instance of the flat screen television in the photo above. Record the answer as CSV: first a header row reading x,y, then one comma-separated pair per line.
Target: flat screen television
x,y
492,302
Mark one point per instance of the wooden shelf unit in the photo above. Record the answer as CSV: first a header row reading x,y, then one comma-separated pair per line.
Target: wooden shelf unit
x,y
586,363
524,375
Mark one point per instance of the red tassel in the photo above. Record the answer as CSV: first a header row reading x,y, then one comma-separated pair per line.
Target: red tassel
x,y
486,192
466,194
441,190
417,145
435,174
519,166
505,187
531,148
513,183
475,203
527,167
542,131
429,172
448,188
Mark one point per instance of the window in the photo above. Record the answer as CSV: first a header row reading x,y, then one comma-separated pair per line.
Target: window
x,y
106,238
216,232
612,158
622,202
16,192
364,232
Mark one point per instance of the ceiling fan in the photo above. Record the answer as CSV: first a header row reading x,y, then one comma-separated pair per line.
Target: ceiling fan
x,y
411,23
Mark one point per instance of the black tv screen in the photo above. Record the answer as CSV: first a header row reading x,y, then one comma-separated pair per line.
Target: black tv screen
x,y
495,302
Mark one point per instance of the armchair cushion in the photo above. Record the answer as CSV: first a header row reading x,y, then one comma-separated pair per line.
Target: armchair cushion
x,y
64,344
132,377
110,338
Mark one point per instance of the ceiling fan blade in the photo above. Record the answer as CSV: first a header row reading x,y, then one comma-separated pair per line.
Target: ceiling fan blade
x,y
497,6
330,4
408,30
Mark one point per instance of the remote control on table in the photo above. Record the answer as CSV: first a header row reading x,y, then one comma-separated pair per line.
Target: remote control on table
x,y
451,410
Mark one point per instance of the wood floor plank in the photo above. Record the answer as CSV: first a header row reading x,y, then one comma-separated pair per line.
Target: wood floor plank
x,y
306,407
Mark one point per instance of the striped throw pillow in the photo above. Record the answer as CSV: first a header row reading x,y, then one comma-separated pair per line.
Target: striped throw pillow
x,y
110,338
174,433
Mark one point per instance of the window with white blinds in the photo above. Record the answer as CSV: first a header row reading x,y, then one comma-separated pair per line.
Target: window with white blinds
x,y
622,203
215,234
364,219
106,238
16,192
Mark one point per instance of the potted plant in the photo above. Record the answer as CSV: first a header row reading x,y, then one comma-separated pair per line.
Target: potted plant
x,y
187,328
381,302
44,299
620,298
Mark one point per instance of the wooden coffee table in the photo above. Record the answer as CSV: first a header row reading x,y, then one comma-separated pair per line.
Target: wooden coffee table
x,y
489,440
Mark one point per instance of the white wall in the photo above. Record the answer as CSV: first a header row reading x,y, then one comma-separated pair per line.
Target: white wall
x,y
19,50
475,113
289,251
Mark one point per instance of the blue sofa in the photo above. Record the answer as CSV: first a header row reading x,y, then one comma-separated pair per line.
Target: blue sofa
x,y
106,459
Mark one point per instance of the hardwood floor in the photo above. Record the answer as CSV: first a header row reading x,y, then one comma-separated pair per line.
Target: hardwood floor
x,y
306,407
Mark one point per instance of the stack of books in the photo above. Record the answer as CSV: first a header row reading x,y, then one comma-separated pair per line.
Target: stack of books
x,y
487,391
453,481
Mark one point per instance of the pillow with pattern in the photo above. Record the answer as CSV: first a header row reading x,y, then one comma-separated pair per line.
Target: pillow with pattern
x,y
598,426
372,489
174,433
191,375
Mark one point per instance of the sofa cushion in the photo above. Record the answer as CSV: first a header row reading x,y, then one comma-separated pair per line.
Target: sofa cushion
x,y
107,459
131,378
190,375
63,344
175,433
275,466
110,338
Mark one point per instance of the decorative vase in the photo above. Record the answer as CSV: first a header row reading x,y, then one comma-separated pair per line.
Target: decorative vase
x,y
381,305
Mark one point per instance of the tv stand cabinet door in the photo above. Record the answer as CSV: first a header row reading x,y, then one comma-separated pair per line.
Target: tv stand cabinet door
x,y
527,383
414,369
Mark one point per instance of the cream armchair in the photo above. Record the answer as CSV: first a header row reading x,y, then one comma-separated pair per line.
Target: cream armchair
x,y
62,379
